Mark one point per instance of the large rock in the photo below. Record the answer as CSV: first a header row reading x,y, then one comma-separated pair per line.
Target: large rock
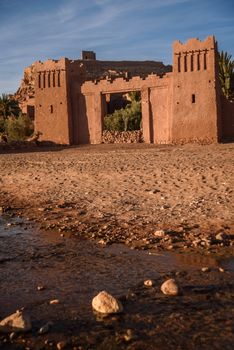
x,y
106,304
170,287
17,322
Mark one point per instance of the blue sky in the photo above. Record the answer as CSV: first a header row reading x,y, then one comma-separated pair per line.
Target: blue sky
x,y
115,29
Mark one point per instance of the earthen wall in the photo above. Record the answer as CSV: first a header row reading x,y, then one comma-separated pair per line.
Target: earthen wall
x,y
184,105
195,110
51,107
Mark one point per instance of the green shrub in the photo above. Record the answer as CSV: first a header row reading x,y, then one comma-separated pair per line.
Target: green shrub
x,y
8,106
114,121
124,119
18,128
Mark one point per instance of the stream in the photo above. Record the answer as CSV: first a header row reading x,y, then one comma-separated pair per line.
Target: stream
x,y
74,270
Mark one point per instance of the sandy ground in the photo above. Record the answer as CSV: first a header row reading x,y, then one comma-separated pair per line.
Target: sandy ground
x,y
124,192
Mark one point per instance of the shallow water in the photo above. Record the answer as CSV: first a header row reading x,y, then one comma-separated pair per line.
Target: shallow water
x,y
73,269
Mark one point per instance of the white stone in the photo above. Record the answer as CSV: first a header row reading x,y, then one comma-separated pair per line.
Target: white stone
x,y
148,283
170,287
221,236
40,287
205,269
61,345
159,233
54,301
17,322
106,303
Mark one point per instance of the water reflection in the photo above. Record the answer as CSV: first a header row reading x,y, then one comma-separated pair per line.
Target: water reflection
x,y
73,269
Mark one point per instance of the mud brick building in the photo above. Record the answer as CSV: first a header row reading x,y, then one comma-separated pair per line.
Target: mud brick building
x,y
182,104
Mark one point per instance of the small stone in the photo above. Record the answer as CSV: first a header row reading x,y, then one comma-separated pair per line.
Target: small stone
x,y
13,335
159,233
61,345
221,269
221,236
40,287
106,303
17,322
148,283
205,269
170,287
54,301
45,329
128,335
102,242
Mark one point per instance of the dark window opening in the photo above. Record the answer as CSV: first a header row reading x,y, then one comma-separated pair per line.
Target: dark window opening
x,y
48,80
59,79
39,81
205,63
193,98
44,80
51,109
191,63
198,62
185,63
53,79
179,63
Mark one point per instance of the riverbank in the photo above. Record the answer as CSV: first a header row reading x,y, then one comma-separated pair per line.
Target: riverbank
x,y
170,206
145,196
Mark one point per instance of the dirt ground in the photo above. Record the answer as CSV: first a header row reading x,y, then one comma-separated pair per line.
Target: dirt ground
x,y
175,199
126,192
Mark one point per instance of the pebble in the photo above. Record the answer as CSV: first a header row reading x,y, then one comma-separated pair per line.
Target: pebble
x,y
54,301
45,329
170,287
128,335
102,242
205,269
17,322
159,233
221,236
148,283
40,287
105,303
61,345
12,335
221,269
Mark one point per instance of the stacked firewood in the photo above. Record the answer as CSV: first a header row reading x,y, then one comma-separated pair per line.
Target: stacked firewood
x,y
135,136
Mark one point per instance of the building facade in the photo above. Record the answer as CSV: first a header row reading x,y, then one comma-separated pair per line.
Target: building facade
x,y
182,104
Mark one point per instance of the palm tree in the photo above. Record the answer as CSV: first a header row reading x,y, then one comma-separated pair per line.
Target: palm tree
x,y
8,106
226,73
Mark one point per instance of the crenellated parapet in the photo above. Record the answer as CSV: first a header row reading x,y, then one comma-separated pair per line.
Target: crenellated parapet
x,y
125,84
49,73
194,55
